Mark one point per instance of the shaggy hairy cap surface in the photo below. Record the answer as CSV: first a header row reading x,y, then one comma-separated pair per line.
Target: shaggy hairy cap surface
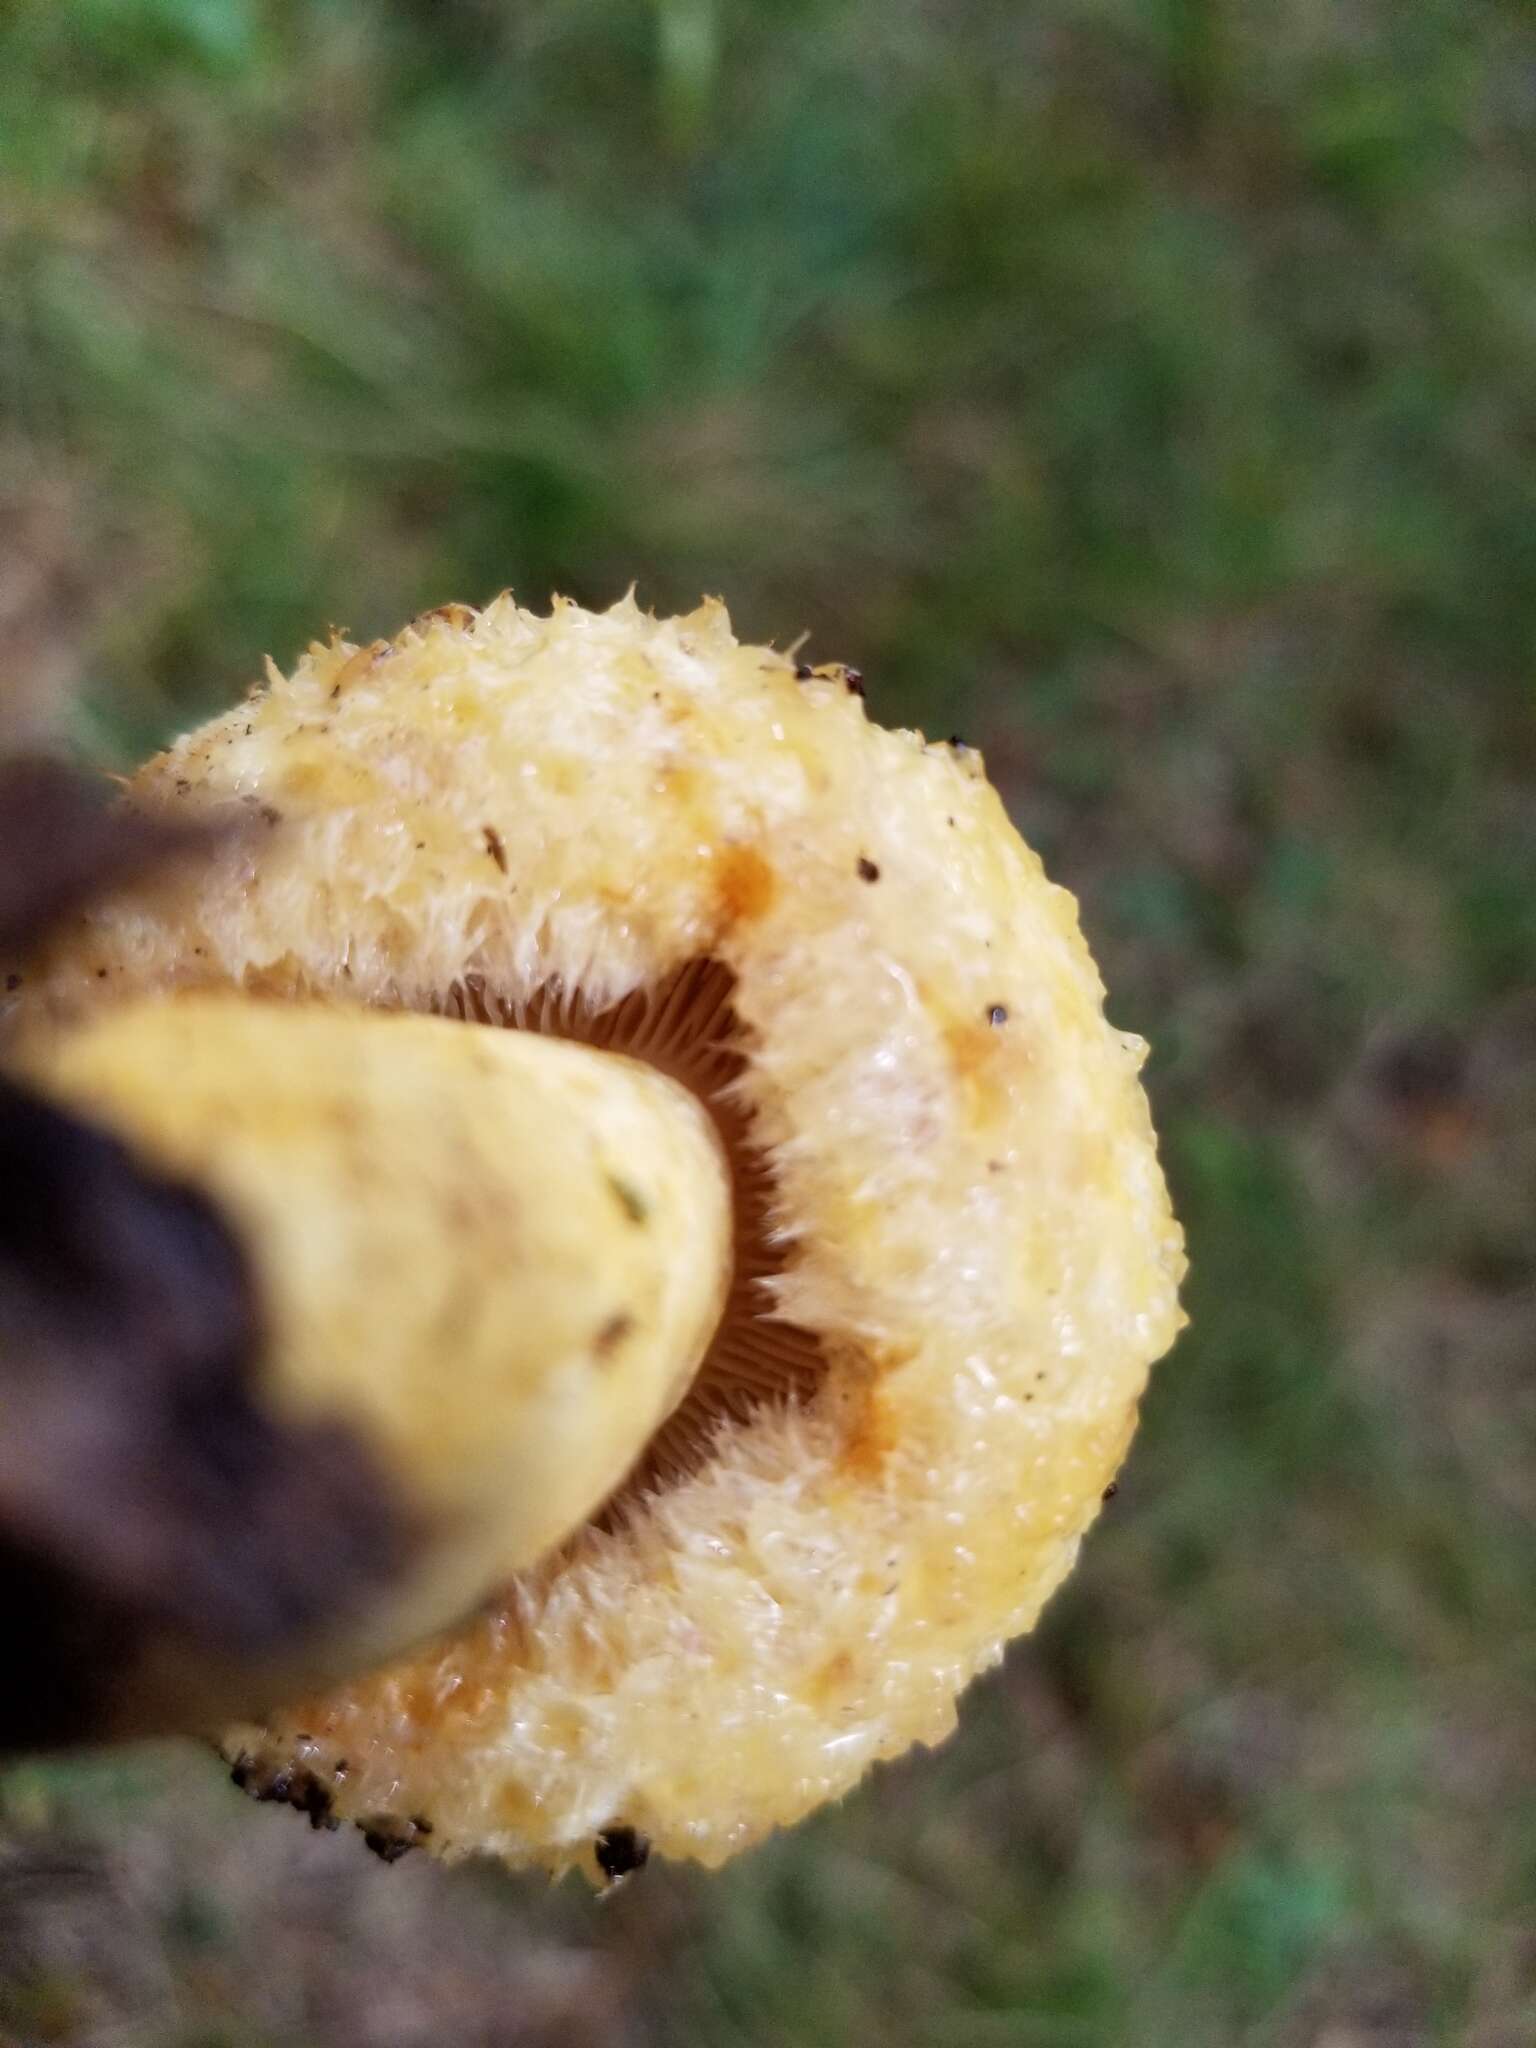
x,y
957,1257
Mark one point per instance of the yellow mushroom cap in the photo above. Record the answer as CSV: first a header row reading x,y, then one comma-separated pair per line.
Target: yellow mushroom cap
x,y
592,823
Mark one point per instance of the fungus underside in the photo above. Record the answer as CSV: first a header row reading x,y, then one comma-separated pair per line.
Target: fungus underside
x,y
686,1026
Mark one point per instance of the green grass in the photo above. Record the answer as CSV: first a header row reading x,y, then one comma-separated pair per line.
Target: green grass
x,y
1143,387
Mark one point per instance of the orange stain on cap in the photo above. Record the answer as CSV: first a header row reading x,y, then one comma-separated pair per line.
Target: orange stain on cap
x,y
745,885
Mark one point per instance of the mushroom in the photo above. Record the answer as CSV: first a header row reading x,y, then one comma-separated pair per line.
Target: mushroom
x,y
920,1251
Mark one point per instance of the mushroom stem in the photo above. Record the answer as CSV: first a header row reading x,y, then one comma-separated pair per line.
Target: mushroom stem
x,y
495,1259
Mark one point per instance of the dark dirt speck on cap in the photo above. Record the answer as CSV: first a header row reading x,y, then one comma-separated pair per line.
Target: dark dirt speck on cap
x,y
621,1851
390,1836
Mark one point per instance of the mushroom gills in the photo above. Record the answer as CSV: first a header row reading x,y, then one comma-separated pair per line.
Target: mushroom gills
x,y
496,1256
685,1026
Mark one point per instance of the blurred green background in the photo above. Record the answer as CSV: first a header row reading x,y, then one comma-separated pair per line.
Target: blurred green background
x,y
1148,389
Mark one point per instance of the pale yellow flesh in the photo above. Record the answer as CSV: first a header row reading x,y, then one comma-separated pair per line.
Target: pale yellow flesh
x,y
497,1257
